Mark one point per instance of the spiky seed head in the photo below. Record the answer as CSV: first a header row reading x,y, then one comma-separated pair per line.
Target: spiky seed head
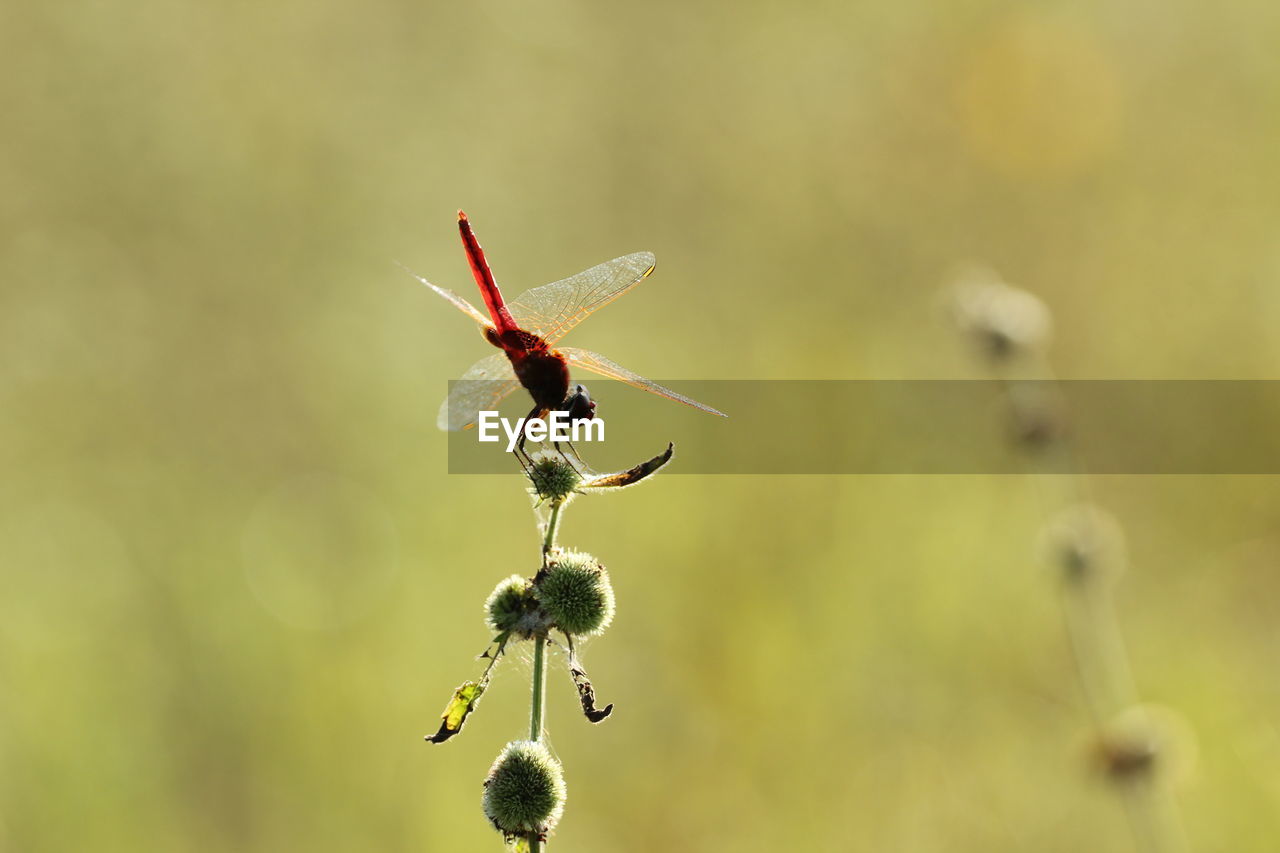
x,y
524,791
513,608
1084,543
575,592
1004,320
551,477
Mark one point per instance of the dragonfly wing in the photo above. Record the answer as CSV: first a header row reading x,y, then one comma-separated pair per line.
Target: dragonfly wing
x,y
458,302
481,388
553,309
597,363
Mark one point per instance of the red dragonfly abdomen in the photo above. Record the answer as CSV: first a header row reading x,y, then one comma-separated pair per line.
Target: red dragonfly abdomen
x,y
493,300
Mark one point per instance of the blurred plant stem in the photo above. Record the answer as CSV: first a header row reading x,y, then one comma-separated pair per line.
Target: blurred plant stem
x,y
1088,607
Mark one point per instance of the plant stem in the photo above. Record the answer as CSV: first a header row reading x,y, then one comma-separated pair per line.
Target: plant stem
x,y
536,708
553,524
538,698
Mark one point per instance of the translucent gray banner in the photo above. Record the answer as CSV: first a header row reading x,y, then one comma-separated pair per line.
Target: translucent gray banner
x,y
924,427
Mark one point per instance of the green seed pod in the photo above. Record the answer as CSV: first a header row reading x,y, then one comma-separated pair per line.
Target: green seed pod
x,y
551,476
575,592
512,608
524,791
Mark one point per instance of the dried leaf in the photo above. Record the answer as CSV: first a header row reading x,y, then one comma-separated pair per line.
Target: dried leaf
x,y
586,693
631,476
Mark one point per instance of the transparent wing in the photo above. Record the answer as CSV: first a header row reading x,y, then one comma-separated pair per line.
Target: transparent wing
x,y
483,387
597,363
553,309
458,302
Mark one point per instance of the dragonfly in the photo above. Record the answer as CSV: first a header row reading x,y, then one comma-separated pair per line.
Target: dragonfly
x,y
527,328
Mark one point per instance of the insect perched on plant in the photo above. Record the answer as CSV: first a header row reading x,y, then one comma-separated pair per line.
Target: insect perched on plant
x,y
527,328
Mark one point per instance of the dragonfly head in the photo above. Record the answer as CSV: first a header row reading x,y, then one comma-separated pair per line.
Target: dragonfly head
x,y
579,404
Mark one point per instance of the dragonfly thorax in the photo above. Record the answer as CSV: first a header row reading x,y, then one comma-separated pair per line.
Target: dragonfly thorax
x,y
544,374
515,341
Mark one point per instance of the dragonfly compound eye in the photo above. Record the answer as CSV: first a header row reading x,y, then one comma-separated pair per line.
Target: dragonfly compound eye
x,y
524,791
575,592
580,405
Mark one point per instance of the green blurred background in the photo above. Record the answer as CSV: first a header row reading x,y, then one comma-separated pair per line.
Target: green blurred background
x,y
236,585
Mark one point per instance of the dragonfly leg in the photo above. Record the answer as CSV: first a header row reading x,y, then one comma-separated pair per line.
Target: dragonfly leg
x,y
522,455
581,466
525,463
580,407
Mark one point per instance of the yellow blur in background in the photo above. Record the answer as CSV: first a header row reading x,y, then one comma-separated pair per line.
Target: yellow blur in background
x,y
237,586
